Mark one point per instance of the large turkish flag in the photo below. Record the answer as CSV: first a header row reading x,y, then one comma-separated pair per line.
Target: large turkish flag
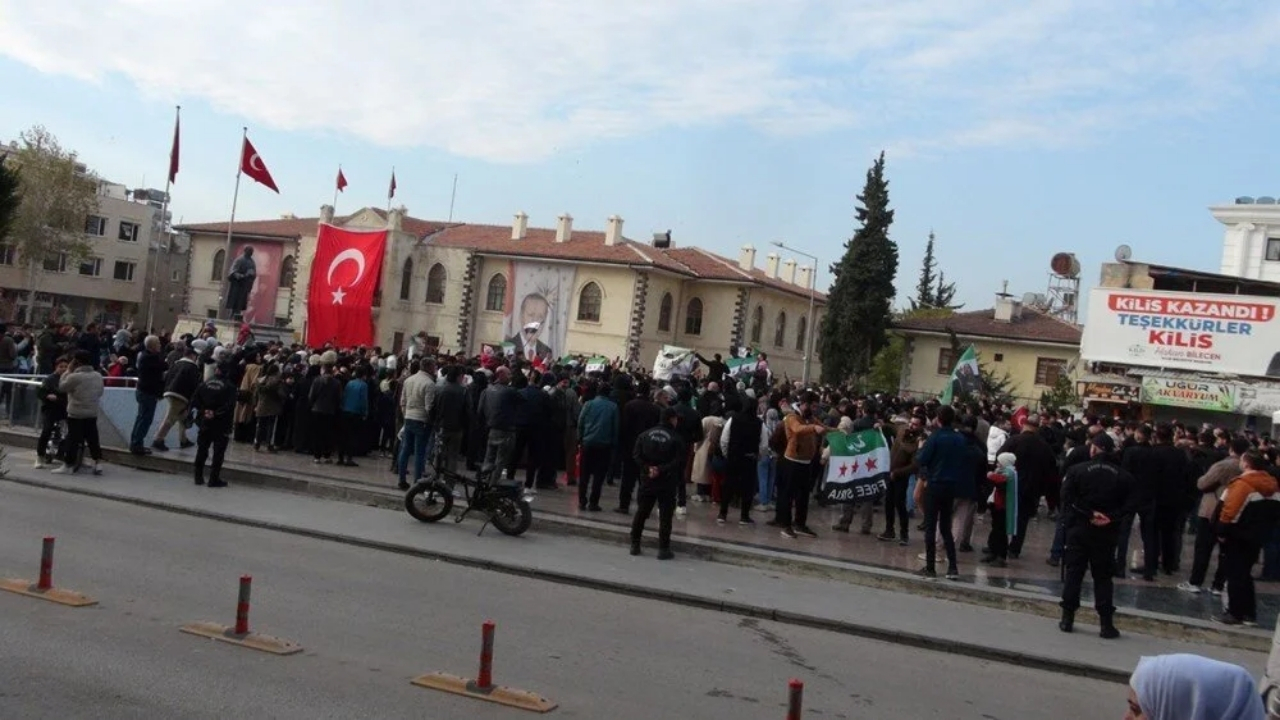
x,y
344,278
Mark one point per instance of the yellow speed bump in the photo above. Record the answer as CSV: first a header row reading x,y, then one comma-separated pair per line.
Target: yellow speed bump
x,y
239,634
482,688
43,588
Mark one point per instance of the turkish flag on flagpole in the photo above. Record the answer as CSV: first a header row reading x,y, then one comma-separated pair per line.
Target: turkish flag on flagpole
x,y
173,152
342,180
391,189
251,164
345,273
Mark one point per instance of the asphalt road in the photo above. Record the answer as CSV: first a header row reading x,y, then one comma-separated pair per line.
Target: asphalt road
x,y
370,621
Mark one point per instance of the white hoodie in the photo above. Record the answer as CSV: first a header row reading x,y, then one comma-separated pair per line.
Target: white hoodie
x,y
995,440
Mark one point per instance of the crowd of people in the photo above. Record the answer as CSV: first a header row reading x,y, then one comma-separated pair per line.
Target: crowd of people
x,y
750,443
745,443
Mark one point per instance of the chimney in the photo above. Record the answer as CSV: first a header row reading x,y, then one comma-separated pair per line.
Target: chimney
x,y
395,219
1007,309
564,228
326,214
520,226
771,265
747,258
806,281
613,230
789,271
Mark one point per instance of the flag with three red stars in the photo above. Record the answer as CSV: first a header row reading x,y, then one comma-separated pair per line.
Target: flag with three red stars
x,y
859,466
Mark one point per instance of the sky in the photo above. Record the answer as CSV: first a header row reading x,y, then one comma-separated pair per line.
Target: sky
x,y
1012,131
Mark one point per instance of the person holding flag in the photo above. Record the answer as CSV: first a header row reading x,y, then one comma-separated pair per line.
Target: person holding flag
x,y
966,378
1004,509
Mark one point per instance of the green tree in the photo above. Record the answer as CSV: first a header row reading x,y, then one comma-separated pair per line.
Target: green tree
x,y
10,198
886,367
926,287
1061,395
56,197
944,295
858,307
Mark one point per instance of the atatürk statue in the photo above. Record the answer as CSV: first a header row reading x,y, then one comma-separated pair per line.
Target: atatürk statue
x,y
240,282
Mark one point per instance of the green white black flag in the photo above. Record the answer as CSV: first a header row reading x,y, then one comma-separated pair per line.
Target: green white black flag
x,y
966,378
858,468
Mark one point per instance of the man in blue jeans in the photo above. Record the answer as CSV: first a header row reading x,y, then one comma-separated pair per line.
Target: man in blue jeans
x,y
946,473
151,369
415,403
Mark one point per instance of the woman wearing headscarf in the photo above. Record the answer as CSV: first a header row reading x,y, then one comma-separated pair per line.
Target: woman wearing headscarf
x,y
767,467
1190,687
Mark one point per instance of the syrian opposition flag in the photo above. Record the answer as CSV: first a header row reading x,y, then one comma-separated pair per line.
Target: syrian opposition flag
x,y
597,364
966,378
858,468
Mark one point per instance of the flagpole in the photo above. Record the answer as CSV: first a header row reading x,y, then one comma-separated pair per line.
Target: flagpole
x,y
164,211
453,195
335,188
235,197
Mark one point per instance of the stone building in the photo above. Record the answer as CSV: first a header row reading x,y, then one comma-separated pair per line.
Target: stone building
x,y
592,292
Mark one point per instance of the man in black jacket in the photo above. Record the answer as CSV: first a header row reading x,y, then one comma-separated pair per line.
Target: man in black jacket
x,y
53,410
639,414
214,403
150,389
660,452
325,397
1096,496
180,383
1036,465
1165,481
740,443
448,416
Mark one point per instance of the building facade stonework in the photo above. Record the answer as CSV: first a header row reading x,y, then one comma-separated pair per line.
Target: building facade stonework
x,y
591,292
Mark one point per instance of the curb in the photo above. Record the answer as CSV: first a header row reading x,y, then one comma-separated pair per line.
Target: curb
x,y
915,640
1147,623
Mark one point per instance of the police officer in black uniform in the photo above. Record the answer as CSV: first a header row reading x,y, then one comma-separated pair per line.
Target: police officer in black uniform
x,y
1096,496
660,454
214,403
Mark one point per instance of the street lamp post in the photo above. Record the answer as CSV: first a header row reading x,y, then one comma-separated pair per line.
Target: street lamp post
x,y
808,323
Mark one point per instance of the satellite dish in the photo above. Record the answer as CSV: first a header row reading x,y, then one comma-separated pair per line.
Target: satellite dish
x,y
1123,253
1065,265
1029,299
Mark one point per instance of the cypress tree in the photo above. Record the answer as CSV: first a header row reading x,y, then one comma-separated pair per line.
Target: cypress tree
x,y
925,293
859,306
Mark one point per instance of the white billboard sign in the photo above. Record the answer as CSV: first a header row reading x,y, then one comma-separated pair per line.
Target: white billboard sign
x,y
1233,334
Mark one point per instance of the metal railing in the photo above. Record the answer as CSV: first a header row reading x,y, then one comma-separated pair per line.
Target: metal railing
x,y
20,400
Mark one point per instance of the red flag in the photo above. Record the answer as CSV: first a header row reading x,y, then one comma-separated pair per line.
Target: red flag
x,y
173,154
391,190
342,180
344,276
251,165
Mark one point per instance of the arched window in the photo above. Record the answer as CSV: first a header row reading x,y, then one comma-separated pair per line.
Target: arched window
x,y
693,317
780,331
664,313
801,338
757,325
496,296
435,284
216,272
288,268
406,278
589,301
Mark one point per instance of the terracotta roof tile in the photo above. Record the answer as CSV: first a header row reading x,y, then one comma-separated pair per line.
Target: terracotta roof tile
x,y
298,227
1033,326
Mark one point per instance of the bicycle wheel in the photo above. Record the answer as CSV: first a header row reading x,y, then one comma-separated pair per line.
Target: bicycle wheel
x,y
428,501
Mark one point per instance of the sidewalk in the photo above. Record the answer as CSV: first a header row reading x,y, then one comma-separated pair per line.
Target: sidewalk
x,y
895,617
1028,585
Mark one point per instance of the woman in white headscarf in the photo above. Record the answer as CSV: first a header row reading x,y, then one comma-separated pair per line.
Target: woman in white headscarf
x,y
1190,687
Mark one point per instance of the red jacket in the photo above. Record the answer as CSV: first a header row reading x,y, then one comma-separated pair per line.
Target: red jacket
x,y
998,479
